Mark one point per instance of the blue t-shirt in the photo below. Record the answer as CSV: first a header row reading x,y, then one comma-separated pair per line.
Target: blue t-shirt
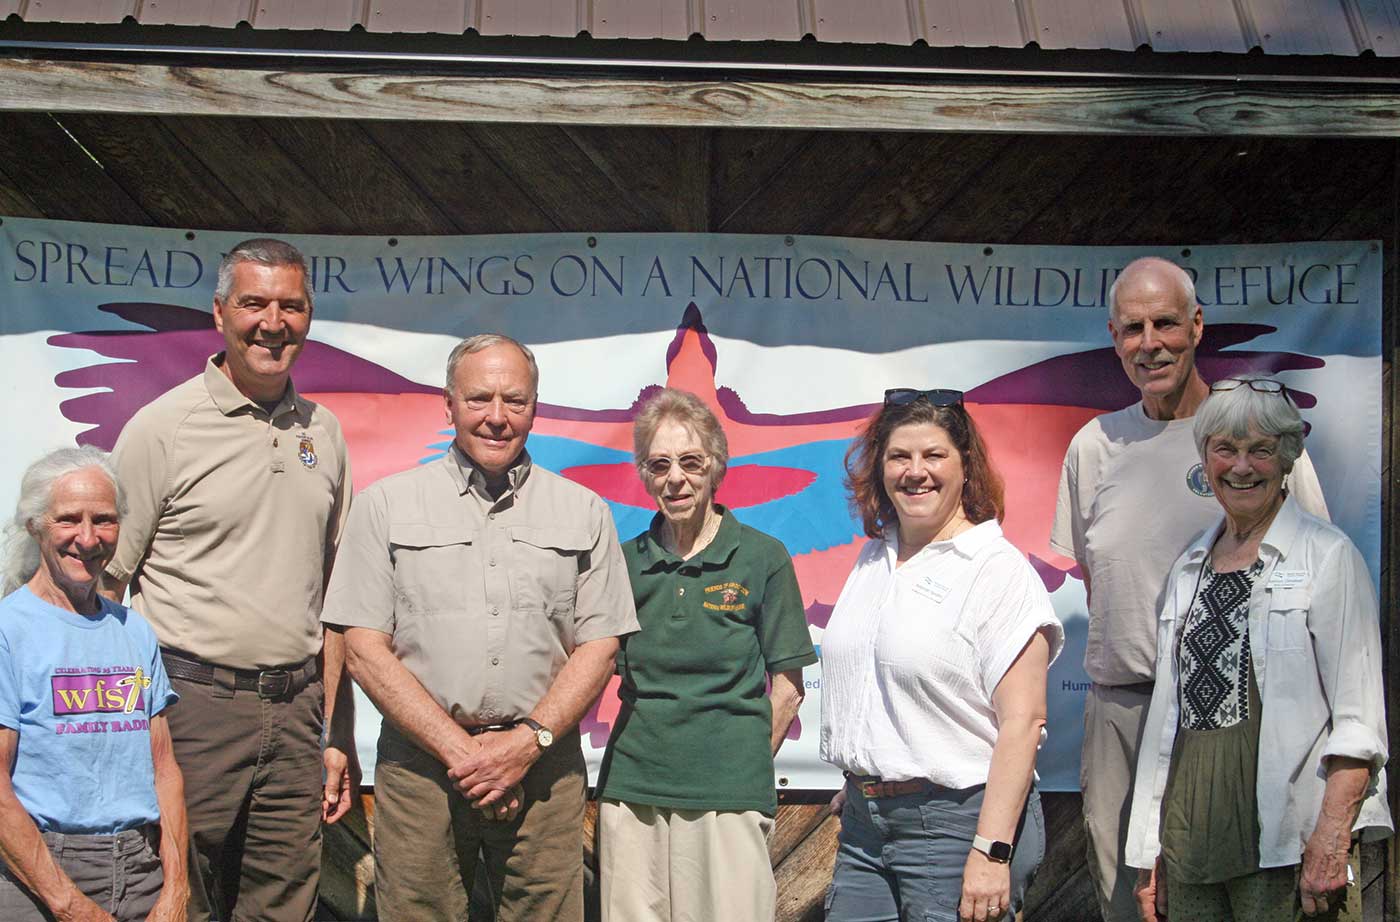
x,y
81,690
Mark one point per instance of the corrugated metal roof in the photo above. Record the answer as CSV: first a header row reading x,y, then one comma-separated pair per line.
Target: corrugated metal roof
x,y
1285,27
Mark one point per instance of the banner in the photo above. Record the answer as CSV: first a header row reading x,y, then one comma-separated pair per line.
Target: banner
x,y
792,340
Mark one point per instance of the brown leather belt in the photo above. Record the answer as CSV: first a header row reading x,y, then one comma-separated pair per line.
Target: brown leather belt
x,y
282,682
491,728
873,787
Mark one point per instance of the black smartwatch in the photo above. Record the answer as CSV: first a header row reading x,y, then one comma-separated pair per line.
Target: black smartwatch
x,y
1000,852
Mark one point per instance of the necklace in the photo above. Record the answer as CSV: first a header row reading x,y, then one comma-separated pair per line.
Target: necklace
x,y
708,530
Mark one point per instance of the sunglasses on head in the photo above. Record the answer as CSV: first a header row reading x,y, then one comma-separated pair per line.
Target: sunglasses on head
x,y
1262,385
689,463
939,397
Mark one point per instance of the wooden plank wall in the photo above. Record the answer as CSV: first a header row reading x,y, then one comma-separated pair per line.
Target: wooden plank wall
x,y
376,177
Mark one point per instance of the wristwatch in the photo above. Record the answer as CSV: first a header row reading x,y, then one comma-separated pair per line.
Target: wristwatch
x,y
1000,852
544,737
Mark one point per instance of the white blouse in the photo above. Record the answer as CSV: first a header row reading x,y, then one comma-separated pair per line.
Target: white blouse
x,y
911,656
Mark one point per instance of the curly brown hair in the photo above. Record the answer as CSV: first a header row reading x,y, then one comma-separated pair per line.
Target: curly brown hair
x,y
982,497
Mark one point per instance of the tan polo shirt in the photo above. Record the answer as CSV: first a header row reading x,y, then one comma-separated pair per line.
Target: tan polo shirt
x,y
233,520
484,599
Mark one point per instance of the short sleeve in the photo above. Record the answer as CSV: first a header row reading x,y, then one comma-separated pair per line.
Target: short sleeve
x,y
9,686
603,605
1304,486
782,627
361,590
1066,534
142,463
344,490
159,695
1012,606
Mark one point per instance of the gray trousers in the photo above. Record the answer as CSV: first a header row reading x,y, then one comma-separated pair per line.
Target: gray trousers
x,y
900,859
121,873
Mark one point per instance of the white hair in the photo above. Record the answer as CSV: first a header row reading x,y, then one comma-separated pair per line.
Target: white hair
x,y
481,341
1236,411
35,498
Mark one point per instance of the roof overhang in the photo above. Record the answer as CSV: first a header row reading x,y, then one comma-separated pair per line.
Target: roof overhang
x,y
808,85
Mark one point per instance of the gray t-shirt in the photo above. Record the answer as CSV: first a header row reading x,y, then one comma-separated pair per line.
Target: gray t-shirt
x,y
1133,494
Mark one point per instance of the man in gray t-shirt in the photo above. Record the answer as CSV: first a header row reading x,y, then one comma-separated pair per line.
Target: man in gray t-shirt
x,y
1132,495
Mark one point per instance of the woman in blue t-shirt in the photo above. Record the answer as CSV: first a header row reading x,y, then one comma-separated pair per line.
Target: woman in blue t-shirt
x,y
92,805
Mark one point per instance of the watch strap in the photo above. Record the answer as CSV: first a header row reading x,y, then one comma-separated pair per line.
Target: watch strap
x,y
1000,852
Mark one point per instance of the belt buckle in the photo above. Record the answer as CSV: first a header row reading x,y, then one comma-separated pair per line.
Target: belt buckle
x,y
870,788
274,683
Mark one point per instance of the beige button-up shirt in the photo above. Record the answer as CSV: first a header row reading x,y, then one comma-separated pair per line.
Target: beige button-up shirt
x,y
484,599
233,519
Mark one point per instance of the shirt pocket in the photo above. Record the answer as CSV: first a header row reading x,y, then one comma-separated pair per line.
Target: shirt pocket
x,y
544,568
1288,618
431,563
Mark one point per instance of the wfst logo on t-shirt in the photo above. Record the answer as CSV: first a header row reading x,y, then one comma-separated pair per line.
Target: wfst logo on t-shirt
x,y
115,690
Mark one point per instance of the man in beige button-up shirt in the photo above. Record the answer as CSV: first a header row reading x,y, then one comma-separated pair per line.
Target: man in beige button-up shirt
x,y
481,598
238,488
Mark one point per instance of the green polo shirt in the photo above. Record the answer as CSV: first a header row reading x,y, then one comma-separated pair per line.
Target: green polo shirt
x,y
693,732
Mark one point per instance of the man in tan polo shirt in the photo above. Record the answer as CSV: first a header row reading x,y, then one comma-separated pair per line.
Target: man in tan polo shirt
x,y
481,598
238,490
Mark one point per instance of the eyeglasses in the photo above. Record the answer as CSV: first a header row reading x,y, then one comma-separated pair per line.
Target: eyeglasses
x,y
689,463
939,397
1262,385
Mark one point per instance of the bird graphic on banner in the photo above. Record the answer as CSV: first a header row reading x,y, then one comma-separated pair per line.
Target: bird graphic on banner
x,y
785,472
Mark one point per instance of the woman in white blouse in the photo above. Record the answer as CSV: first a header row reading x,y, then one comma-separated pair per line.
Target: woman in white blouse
x,y
933,673
1263,749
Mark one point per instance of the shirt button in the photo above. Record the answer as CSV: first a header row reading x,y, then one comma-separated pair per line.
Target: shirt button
x,y
495,610
495,661
490,515
274,443
680,591
493,561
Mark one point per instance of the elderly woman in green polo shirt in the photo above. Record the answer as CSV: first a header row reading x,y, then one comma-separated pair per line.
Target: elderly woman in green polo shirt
x,y
686,788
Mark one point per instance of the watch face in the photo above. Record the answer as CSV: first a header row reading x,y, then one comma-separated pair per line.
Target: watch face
x,y
544,737
1000,851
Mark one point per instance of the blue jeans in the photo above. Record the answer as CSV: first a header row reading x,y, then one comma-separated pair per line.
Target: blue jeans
x,y
900,859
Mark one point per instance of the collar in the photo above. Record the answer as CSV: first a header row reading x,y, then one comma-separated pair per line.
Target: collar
x,y
229,399
467,476
721,547
1279,538
967,544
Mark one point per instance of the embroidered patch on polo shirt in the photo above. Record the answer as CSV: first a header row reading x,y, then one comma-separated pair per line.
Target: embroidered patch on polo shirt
x,y
730,595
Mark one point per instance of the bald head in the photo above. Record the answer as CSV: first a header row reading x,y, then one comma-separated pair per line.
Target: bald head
x,y
1151,276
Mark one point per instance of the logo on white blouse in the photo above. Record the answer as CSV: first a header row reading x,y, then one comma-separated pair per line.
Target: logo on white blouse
x,y
1196,480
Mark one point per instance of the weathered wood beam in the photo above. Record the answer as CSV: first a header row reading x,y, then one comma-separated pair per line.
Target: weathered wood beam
x,y
1121,107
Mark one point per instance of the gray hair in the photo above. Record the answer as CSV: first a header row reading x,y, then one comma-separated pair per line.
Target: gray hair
x,y
690,411
1235,412
36,497
482,341
1178,274
265,251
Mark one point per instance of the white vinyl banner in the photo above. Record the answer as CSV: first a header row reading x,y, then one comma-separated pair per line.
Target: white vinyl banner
x,y
791,341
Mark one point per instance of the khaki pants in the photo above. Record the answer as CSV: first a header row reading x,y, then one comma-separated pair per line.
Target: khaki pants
x,y
1113,723
428,838
661,865
253,790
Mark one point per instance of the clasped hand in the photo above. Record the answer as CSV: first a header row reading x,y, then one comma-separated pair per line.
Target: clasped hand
x,y
491,775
